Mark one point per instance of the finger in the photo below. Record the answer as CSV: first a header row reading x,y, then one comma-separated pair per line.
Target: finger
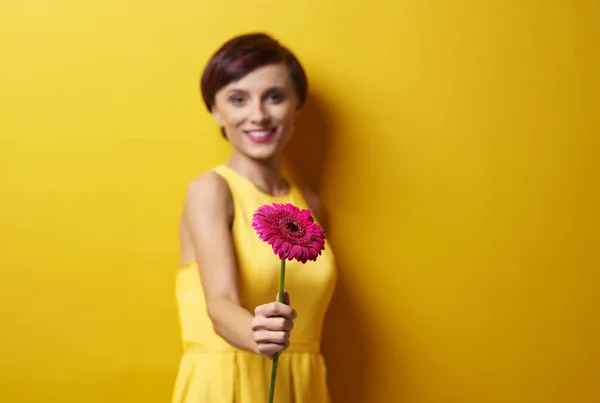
x,y
270,349
275,309
274,324
286,297
278,324
271,337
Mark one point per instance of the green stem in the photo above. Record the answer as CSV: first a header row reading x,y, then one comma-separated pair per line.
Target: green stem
x,y
280,298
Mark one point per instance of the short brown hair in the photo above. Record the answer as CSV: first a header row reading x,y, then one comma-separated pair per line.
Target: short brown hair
x,y
243,54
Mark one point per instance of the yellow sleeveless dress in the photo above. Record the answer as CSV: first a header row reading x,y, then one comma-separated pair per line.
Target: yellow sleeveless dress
x,y
213,371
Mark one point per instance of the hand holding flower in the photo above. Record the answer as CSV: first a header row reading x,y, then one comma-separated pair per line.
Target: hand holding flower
x,y
294,235
272,325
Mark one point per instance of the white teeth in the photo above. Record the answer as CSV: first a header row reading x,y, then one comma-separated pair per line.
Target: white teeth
x,y
260,134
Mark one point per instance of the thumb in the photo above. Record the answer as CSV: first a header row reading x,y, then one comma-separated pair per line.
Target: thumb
x,y
286,297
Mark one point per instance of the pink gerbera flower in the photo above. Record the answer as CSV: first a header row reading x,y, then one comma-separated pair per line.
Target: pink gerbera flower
x,y
291,232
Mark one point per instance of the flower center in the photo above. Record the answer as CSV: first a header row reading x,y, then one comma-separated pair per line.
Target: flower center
x,y
292,226
292,229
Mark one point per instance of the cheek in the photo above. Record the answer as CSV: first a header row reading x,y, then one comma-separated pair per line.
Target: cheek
x,y
233,117
283,114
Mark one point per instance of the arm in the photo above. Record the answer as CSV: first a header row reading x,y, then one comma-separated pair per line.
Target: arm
x,y
315,205
208,214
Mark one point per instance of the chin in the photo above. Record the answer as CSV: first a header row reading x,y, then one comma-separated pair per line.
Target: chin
x,y
264,152
262,155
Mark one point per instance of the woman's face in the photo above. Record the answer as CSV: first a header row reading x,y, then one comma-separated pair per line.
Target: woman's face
x,y
258,111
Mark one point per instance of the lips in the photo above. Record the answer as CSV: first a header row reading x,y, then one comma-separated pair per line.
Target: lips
x,y
261,135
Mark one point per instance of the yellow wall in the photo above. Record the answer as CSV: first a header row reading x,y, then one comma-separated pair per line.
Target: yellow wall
x,y
460,140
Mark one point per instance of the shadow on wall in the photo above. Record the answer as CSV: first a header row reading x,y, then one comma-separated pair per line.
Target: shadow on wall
x,y
345,339
307,153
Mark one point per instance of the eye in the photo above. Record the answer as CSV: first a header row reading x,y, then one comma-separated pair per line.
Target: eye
x,y
276,97
237,100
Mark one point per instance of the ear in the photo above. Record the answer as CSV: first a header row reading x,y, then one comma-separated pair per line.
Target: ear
x,y
217,116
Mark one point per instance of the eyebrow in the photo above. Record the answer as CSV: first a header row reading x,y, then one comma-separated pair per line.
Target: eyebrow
x,y
276,88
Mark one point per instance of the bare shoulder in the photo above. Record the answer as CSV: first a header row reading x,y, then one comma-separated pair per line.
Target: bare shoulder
x,y
314,204
208,193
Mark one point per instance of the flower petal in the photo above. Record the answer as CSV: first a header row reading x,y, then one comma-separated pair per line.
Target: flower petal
x,y
272,224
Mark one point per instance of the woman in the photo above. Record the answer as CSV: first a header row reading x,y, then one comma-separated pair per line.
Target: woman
x,y
254,88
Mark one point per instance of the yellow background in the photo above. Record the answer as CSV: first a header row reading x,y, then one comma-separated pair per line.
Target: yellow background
x,y
460,142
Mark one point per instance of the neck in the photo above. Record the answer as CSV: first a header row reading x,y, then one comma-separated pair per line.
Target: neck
x,y
265,175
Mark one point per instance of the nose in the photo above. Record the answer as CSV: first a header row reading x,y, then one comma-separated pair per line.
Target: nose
x,y
258,114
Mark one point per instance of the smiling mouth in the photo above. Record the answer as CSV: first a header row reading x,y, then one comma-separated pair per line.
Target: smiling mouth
x,y
262,135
